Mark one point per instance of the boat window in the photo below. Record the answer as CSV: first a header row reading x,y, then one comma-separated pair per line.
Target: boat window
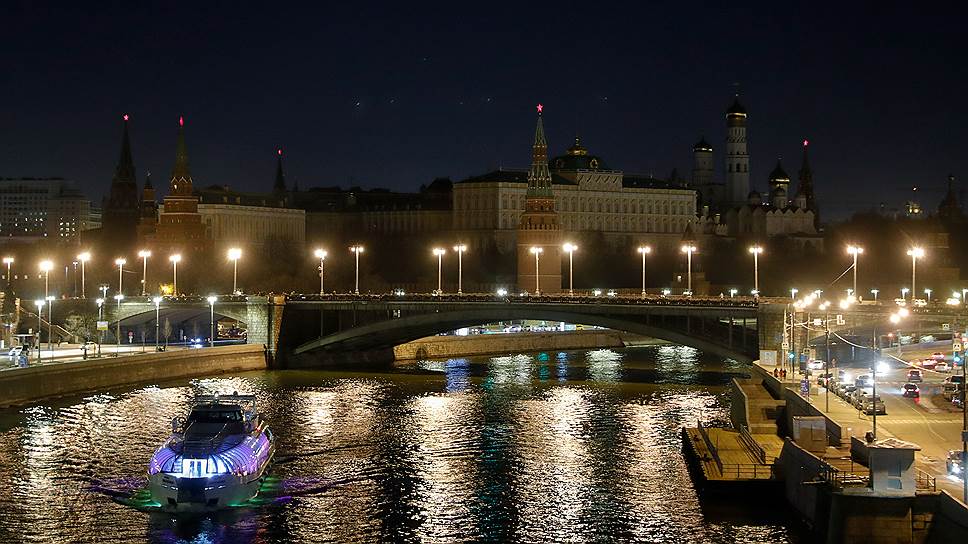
x,y
213,416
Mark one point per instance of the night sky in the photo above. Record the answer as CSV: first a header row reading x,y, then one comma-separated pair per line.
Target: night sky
x,y
395,96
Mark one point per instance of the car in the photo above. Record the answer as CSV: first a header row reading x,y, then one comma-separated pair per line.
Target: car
x,y
816,365
955,463
937,356
824,378
847,391
16,351
927,338
864,380
911,390
914,375
942,367
871,405
860,397
955,379
950,390
928,364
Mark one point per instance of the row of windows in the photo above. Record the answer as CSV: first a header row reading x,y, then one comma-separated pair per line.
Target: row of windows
x,y
587,205
582,223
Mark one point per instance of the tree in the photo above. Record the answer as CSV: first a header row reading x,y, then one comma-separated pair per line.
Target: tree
x,y
80,326
166,330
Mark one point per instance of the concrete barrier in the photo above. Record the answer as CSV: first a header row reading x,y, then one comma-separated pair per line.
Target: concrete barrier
x,y
486,344
26,385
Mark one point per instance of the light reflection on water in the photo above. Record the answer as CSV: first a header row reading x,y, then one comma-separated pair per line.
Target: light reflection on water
x,y
542,447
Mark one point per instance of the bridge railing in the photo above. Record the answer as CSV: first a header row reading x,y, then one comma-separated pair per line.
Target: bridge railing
x,y
648,300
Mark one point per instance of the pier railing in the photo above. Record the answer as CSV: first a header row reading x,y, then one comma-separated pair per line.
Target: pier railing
x,y
752,444
925,481
709,445
746,471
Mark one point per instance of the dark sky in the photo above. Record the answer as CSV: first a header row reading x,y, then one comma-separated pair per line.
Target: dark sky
x,y
395,96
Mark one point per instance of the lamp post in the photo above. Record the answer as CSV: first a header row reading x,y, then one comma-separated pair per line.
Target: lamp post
x,y
100,316
571,248
904,292
120,262
439,253
157,301
211,324
83,258
118,297
874,292
644,250
144,254
756,250
537,251
175,259
927,295
915,253
321,255
826,331
793,293
234,255
8,261
46,266
460,249
40,309
357,249
689,249
855,251
50,326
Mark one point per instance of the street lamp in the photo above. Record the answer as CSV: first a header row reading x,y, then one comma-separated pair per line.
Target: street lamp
x,y
927,294
732,292
357,249
120,262
460,249
175,259
793,293
234,255
40,310
83,258
50,325
904,292
100,316
321,255
118,297
689,249
439,253
46,266
8,261
874,292
211,304
855,251
756,250
537,251
157,301
915,253
644,250
570,248
144,254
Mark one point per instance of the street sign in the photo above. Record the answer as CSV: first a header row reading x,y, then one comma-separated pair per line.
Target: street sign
x,y
102,325
946,326
956,346
840,319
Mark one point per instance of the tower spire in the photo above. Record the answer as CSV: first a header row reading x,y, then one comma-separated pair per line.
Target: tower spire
x,y
539,178
805,197
125,172
181,175
280,185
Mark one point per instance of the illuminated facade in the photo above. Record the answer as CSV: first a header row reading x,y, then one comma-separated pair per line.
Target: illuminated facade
x,y
42,208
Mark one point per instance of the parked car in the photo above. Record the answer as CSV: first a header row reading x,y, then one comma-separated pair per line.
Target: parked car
x,y
914,375
957,378
815,365
911,390
955,463
950,390
847,391
942,367
874,403
860,396
864,380
928,338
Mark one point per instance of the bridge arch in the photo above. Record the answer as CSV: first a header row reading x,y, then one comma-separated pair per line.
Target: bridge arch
x,y
392,332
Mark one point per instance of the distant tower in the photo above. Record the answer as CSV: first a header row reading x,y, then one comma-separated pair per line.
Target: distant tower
x,y
737,155
121,207
779,186
702,166
539,226
180,225
149,210
279,186
805,197
949,208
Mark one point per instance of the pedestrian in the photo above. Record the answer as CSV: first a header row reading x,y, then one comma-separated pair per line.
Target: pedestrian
x,y
776,372
783,374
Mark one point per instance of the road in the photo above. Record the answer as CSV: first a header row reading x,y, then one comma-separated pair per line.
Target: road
x,y
73,353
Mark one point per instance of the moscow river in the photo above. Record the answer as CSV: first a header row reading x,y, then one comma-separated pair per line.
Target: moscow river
x,y
579,446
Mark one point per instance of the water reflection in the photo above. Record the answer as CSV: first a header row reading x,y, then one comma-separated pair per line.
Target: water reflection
x,y
570,446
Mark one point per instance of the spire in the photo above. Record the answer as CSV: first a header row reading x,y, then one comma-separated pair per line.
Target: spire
x,y
280,184
148,184
181,176
949,209
125,172
805,197
539,178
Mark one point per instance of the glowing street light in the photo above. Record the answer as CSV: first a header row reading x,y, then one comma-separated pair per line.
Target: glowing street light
x,y
118,297
175,259
357,249
756,250
157,301
855,251
40,310
144,254
8,261
793,293
460,249
915,253
732,292
46,266
571,248
537,251
234,255
211,324
927,294
644,250
904,292
874,292
82,258
120,262
689,249
439,253
321,255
